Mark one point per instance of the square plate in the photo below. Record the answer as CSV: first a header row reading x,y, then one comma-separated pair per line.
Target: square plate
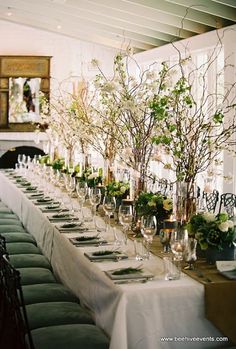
x,y
98,255
61,217
87,240
71,227
227,268
129,276
43,201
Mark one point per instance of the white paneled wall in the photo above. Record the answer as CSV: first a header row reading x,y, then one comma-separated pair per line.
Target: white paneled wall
x,y
70,57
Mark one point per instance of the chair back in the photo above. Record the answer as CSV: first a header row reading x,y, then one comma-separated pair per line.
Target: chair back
x,y
211,200
14,326
227,203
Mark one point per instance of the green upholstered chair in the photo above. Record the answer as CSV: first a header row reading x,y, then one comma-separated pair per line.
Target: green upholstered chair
x,y
70,337
6,228
47,292
10,221
8,215
22,321
29,261
19,237
56,313
4,208
22,248
37,275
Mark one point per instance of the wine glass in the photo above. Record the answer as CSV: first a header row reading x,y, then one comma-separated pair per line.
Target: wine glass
x,y
70,184
177,244
95,196
109,206
125,215
148,230
81,190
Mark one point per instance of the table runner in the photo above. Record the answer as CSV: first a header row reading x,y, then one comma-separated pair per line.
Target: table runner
x,y
220,293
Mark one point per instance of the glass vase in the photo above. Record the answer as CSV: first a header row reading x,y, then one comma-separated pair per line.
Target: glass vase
x,y
184,201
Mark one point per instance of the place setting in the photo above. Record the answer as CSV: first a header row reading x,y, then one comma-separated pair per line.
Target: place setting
x,y
44,200
129,275
88,240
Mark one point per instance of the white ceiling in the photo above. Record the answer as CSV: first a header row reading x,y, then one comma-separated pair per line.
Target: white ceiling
x,y
141,24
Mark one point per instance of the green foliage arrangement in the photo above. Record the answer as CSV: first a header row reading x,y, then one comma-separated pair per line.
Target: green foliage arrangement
x,y
91,178
212,231
156,204
118,189
58,164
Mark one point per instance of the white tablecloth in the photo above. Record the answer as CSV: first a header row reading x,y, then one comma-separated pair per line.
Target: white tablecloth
x,y
135,316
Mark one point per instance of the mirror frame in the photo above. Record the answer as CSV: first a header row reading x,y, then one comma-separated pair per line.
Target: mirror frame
x,y
25,67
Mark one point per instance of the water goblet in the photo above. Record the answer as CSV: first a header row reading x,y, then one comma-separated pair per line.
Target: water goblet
x,y
148,230
125,215
95,196
109,206
177,244
81,190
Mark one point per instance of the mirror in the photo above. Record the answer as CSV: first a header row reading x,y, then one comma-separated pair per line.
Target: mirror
x,y
22,78
24,100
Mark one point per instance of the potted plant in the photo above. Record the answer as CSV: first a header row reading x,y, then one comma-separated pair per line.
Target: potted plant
x,y
215,234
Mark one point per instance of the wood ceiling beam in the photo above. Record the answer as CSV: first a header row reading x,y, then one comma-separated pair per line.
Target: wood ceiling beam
x,y
154,14
210,7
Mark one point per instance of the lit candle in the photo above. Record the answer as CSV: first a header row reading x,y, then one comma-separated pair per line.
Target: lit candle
x,y
178,247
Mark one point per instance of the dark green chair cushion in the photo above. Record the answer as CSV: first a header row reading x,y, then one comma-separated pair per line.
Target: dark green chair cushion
x,y
11,228
29,261
70,337
5,209
22,247
56,313
31,276
19,237
10,221
47,292
8,215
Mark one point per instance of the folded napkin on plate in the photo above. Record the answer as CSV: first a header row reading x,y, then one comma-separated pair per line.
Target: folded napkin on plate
x,y
54,208
227,268
105,254
61,217
71,227
43,201
25,184
128,273
29,189
36,195
87,240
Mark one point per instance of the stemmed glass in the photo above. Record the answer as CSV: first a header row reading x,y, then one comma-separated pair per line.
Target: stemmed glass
x,y
81,190
178,244
125,215
70,184
21,160
148,230
109,206
95,198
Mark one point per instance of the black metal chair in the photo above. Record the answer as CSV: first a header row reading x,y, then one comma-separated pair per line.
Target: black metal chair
x,y
211,200
14,323
227,203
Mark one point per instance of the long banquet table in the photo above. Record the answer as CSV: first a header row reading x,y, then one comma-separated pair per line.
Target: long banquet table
x,y
153,315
